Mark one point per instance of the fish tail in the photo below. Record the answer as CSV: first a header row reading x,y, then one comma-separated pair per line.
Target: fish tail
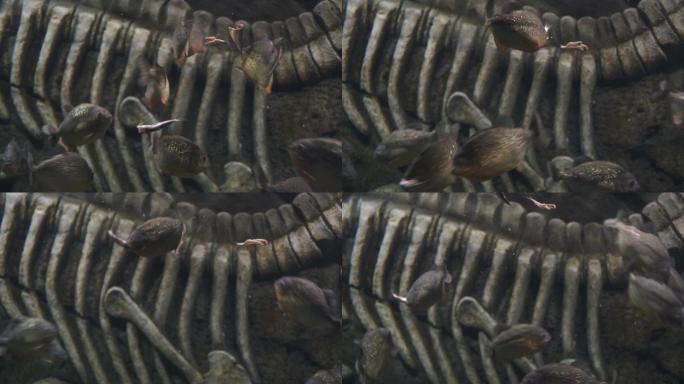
x,y
117,239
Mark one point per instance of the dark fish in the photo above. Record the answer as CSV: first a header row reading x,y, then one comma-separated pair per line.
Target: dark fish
x,y
67,172
402,146
655,298
84,124
558,373
25,336
491,153
599,176
432,170
189,39
14,159
519,340
156,83
175,155
307,303
319,162
429,289
523,30
376,353
259,60
642,249
155,237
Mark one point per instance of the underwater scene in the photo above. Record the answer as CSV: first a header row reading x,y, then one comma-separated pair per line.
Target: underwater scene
x,y
341,192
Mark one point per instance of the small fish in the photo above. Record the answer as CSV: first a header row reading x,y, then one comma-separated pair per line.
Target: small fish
x,y
518,341
175,155
376,354
432,170
156,83
155,237
655,298
307,303
189,39
259,61
319,162
402,146
677,108
522,30
559,373
642,249
599,176
25,336
14,159
491,153
84,124
544,206
235,33
260,242
429,289
67,172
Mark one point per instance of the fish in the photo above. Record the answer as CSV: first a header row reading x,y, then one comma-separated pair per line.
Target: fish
x,y
235,34
523,30
599,176
15,158
376,354
156,83
66,172
402,146
83,125
559,373
154,237
643,251
26,336
491,153
189,39
518,341
655,298
259,61
432,170
319,162
307,303
429,289
173,154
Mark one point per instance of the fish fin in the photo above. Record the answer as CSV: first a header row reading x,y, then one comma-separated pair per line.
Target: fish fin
x,y
268,89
